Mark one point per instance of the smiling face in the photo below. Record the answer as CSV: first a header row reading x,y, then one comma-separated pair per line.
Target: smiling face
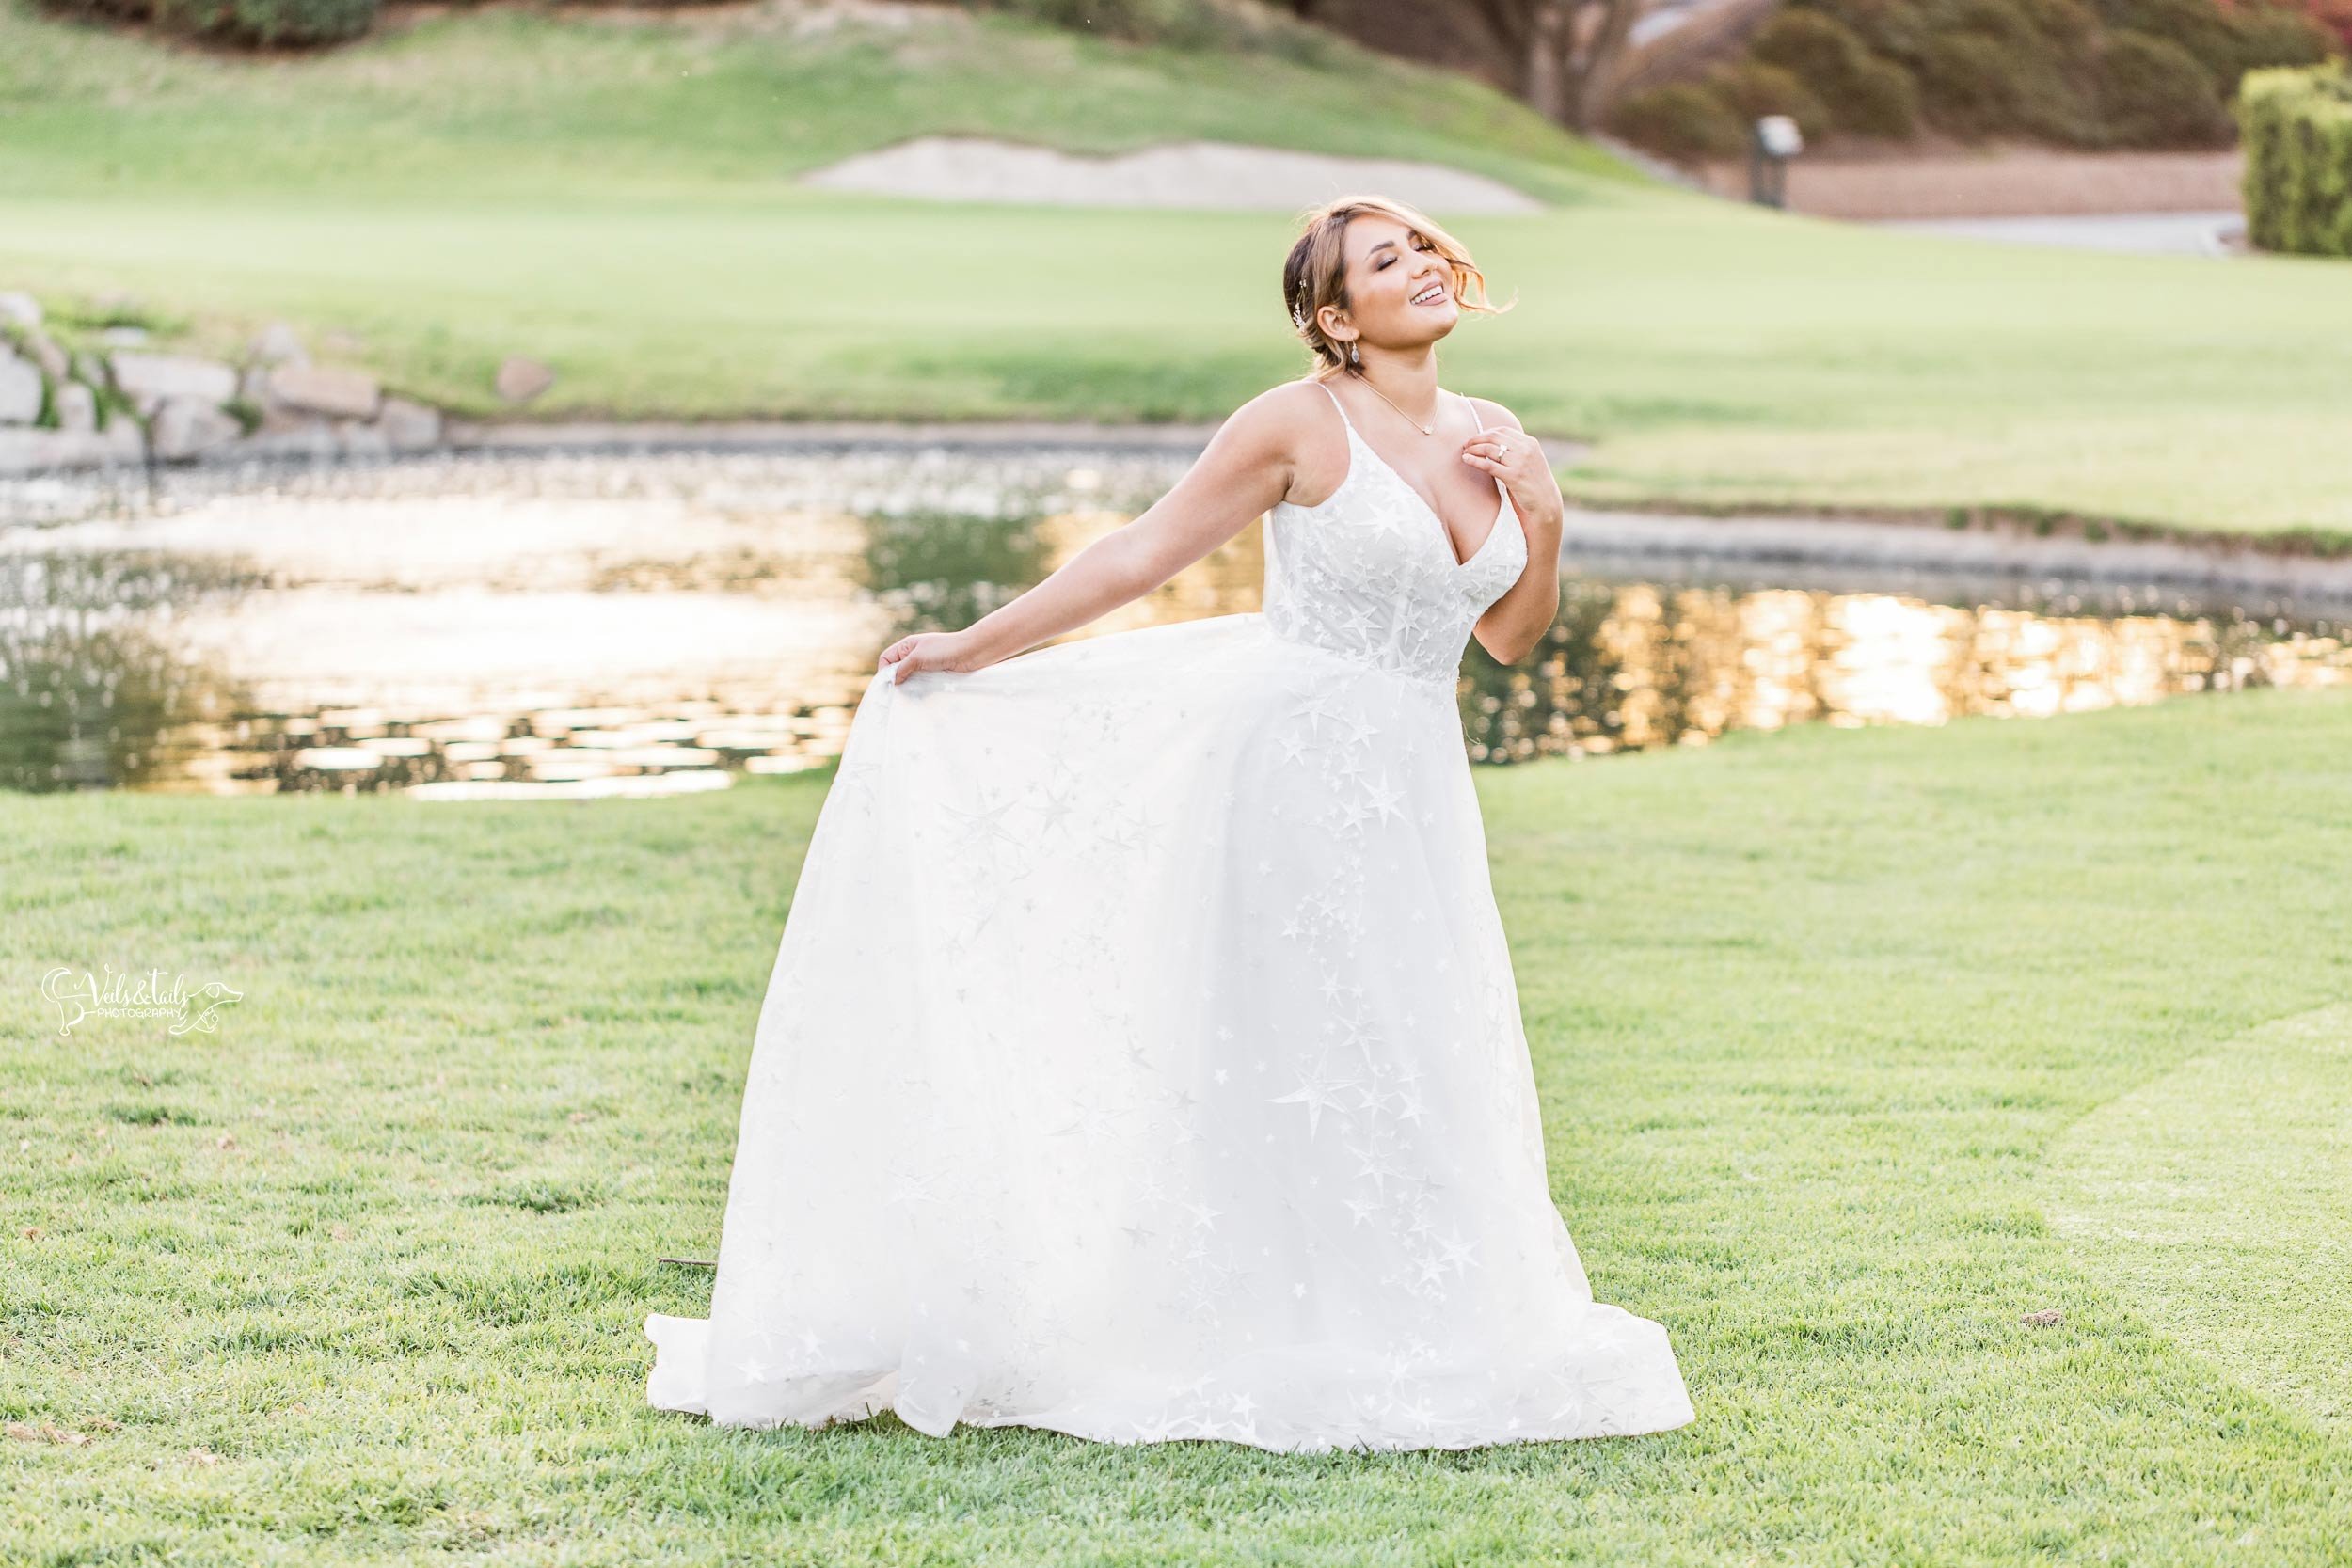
x,y
1367,275
1400,287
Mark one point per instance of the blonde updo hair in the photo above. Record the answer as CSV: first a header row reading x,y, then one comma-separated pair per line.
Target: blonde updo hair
x,y
1315,274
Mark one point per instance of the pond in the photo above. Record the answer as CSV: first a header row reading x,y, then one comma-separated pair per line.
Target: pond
x,y
633,623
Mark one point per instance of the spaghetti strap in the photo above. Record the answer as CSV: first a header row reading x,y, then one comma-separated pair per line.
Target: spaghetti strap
x,y
1338,405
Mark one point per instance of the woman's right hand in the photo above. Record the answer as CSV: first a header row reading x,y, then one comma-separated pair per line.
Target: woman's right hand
x,y
927,650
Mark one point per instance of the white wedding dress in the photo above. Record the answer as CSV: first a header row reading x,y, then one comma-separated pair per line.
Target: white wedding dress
x,y
1142,1059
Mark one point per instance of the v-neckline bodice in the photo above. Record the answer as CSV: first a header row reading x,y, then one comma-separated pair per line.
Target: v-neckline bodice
x,y
1445,536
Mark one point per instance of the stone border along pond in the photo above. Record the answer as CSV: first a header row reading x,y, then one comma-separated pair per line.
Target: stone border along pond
x,y
122,406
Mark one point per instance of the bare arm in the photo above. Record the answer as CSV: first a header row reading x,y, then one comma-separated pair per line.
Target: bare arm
x,y
1514,625
1246,468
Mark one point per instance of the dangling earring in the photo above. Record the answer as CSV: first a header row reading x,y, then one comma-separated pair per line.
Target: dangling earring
x,y
1352,357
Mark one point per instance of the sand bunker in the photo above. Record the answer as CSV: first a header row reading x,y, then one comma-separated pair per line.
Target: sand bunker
x,y
1203,174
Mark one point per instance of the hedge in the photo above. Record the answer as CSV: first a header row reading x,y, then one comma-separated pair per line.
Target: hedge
x,y
1682,120
1860,91
1754,89
272,24
2296,127
2153,93
2053,70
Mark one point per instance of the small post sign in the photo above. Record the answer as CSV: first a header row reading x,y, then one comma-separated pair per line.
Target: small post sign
x,y
1774,141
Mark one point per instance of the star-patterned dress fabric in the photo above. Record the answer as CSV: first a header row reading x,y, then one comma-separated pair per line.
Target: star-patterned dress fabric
x,y
1143,1060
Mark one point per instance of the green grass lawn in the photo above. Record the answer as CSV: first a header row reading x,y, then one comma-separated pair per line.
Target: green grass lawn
x,y
1855,1046
616,196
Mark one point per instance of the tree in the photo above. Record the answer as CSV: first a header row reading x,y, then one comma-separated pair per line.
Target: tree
x,y
1568,50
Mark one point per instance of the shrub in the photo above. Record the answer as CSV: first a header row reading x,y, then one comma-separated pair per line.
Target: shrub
x,y
1896,29
267,23
1882,100
2042,68
2282,35
1683,121
2334,18
2153,93
1965,85
2071,27
2298,131
1863,93
2050,53
2227,42
1753,89
1975,67
1198,25
2004,22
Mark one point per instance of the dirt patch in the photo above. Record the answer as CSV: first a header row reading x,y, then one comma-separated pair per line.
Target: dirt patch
x,y
2001,183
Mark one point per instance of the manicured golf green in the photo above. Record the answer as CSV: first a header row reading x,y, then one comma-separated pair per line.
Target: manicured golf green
x,y
1857,1047
616,196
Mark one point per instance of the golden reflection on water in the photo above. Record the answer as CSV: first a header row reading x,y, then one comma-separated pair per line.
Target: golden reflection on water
x,y
1642,665
630,626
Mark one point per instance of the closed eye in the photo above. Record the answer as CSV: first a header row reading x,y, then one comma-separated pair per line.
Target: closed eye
x,y
1419,244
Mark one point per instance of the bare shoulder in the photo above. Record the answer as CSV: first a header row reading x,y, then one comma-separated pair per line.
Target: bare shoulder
x,y
1283,424
1281,415
1491,414
1290,432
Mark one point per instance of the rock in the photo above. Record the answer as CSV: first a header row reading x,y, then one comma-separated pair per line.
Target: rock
x,y
277,344
148,379
326,390
77,408
85,366
253,386
20,390
358,439
185,427
286,434
409,426
122,337
33,452
277,421
47,355
519,380
21,307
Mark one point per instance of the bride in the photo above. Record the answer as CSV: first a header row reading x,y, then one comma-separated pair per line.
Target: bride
x,y
1142,1058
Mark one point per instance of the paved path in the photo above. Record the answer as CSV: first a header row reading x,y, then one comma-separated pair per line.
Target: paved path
x,y
2207,233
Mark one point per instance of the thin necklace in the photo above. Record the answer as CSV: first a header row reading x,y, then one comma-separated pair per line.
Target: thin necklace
x,y
1424,429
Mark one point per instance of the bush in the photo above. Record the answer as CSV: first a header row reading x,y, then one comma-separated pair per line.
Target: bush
x,y
1198,25
2069,27
1681,121
2333,17
266,23
1882,100
1863,93
2050,53
1753,89
1973,67
2153,93
2298,131
2278,35
1898,30
1965,85
2227,42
